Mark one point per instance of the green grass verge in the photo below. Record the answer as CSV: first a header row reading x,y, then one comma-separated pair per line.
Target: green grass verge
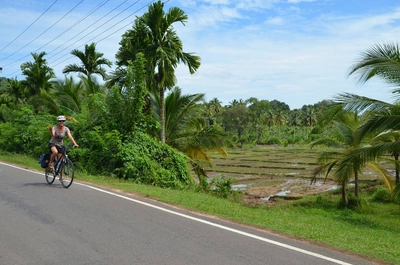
x,y
371,231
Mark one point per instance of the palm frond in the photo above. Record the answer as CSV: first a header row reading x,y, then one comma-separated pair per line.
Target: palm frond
x,y
386,175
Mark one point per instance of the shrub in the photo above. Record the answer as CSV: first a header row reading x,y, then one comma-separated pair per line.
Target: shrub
x,y
98,150
382,195
352,202
148,161
24,132
222,186
274,140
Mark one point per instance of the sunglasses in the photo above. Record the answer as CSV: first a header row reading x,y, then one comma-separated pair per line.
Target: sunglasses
x,y
61,121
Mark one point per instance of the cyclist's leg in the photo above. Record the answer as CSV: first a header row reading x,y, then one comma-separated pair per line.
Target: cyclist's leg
x,y
54,153
60,150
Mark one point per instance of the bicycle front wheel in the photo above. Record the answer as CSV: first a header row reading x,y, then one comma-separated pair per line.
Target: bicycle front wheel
x,y
67,173
49,175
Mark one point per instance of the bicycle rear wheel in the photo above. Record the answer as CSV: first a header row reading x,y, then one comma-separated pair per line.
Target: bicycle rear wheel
x,y
67,173
49,175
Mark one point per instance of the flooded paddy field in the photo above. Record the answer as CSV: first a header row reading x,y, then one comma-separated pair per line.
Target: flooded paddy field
x,y
267,172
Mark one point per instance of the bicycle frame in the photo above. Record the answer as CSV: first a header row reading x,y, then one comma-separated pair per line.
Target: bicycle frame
x,y
63,168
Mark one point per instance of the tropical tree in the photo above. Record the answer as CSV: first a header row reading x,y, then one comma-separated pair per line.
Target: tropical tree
x,y
309,115
342,135
186,129
380,61
92,62
38,74
278,105
294,117
213,108
37,77
258,112
235,120
280,117
13,91
269,118
69,96
154,35
236,102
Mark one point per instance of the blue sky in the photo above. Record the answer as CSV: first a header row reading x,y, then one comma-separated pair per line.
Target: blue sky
x,y
295,51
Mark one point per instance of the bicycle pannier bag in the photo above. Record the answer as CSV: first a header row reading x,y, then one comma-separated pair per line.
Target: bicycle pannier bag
x,y
44,160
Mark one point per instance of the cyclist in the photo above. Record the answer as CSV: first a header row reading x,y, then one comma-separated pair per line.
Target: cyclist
x,y
58,133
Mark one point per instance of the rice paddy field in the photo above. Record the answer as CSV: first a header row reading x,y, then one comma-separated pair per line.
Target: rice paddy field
x,y
266,172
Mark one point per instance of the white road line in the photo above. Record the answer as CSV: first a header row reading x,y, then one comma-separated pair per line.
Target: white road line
x,y
204,221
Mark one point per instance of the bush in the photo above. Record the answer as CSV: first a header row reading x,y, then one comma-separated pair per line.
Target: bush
x,y
24,132
222,186
274,140
97,150
352,202
147,161
381,195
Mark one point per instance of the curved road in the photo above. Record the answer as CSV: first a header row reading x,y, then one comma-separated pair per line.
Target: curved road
x,y
47,224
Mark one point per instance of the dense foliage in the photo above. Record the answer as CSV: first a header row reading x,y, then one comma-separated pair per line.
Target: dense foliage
x,y
128,128
121,126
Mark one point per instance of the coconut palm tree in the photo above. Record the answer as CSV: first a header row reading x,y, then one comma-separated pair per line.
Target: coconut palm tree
x,y
342,135
186,129
355,153
92,62
309,115
381,61
213,108
294,117
69,95
280,117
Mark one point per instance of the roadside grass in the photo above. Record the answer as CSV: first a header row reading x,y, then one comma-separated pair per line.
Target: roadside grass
x,y
371,231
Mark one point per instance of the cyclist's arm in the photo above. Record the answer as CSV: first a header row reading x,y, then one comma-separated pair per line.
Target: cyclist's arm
x,y
71,138
51,130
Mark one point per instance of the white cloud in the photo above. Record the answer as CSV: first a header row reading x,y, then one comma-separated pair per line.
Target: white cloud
x,y
299,1
276,21
282,50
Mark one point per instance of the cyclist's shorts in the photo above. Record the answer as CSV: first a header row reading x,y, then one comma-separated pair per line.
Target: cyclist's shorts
x,y
59,148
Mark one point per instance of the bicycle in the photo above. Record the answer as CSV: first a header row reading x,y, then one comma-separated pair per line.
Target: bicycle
x,y
63,168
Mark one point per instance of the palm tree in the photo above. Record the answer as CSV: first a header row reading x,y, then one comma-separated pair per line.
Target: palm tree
x,y
309,116
213,108
348,162
153,34
38,75
269,117
186,129
215,105
382,61
342,135
280,117
69,95
13,92
92,62
294,118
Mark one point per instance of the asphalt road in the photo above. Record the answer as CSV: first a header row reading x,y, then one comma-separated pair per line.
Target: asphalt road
x,y
47,224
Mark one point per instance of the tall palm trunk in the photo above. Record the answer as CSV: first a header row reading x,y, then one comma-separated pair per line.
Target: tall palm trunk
x,y
396,158
162,115
356,186
344,195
